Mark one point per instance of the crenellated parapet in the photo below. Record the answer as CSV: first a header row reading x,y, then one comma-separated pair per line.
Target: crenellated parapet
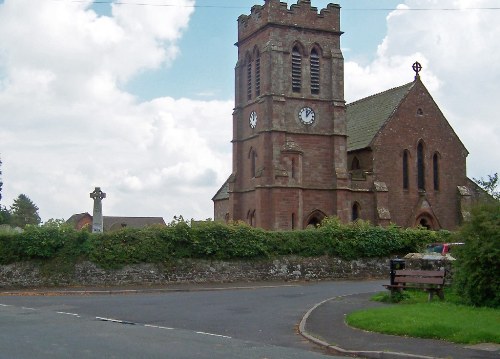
x,y
301,15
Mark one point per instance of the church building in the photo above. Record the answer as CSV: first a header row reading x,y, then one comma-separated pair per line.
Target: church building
x,y
300,153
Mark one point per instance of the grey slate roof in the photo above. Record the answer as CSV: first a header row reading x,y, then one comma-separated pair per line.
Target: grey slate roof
x,y
223,192
114,223
367,116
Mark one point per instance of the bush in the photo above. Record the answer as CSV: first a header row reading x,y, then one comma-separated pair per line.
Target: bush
x,y
477,267
210,240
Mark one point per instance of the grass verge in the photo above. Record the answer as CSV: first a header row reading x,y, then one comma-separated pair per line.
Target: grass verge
x,y
446,320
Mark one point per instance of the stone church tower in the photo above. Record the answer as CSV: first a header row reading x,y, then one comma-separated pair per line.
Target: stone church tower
x,y
289,121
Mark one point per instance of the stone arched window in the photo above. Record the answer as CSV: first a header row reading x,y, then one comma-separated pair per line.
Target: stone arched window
x,y
355,211
257,72
252,155
296,69
406,178
314,70
420,166
435,170
355,164
248,65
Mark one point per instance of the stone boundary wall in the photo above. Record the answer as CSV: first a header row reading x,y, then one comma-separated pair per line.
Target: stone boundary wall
x,y
32,274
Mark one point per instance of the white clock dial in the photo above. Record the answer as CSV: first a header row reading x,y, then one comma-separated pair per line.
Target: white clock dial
x,y
306,115
253,119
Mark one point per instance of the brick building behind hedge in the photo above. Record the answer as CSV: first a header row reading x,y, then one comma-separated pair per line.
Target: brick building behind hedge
x,y
300,153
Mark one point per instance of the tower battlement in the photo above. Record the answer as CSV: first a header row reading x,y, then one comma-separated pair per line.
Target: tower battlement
x,y
301,15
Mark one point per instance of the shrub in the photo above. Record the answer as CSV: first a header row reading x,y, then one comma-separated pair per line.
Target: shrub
x,y
210,240
477,267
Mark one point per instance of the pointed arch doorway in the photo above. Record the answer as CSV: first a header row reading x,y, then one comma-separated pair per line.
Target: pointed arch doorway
x,y
427,221
315,218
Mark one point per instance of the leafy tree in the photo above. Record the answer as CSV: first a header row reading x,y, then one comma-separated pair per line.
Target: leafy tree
x,y
23,211
489,185
1,183
4,215
477,266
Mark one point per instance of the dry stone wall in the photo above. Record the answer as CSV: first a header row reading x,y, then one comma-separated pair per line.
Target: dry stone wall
x,y
289,268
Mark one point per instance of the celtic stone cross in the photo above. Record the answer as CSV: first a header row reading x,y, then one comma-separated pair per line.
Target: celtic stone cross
x,y
97,222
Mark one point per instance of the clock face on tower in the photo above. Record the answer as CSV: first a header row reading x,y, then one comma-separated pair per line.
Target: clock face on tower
x,y
253,119
306,115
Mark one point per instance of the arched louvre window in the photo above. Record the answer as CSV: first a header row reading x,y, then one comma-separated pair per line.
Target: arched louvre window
x,y
314,59
296,70
420,166
257,74
249,78
406,181
435,170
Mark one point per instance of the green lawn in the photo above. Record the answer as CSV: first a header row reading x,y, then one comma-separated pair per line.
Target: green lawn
x,y
415,317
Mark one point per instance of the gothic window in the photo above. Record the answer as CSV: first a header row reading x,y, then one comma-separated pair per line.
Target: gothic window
x,y
355,164
406,181
420,167
252,156
314,59
249,78
293,220
293,168
435,170
355,211
257,74
251,218
296,70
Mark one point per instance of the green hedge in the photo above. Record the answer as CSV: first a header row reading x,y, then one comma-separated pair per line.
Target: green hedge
x,y
210,240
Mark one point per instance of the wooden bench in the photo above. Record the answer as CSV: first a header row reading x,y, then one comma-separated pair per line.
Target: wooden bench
x,y
431,281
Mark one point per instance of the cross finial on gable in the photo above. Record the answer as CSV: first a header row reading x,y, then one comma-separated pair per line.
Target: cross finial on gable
x,y
417,68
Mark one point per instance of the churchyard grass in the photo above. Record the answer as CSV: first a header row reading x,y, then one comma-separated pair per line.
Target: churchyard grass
x,y
447,320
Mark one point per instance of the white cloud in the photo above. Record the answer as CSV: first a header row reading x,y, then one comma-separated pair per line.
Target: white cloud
x,y
66,126
459,52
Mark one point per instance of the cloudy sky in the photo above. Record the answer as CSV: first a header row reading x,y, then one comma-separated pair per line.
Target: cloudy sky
x,y
137,98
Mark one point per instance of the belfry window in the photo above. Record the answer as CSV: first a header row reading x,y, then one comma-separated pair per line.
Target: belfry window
x,y
314,62
249,79
296,70
435,170
257,75
420,166
406,181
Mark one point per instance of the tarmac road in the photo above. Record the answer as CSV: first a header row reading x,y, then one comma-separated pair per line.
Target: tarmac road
x,y
244,321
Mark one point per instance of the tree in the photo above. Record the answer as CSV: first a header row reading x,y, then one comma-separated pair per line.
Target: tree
x,y
1,183
23,211
489,185
477,266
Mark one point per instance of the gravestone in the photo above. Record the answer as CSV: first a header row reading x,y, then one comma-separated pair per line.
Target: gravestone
x,y
97,222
